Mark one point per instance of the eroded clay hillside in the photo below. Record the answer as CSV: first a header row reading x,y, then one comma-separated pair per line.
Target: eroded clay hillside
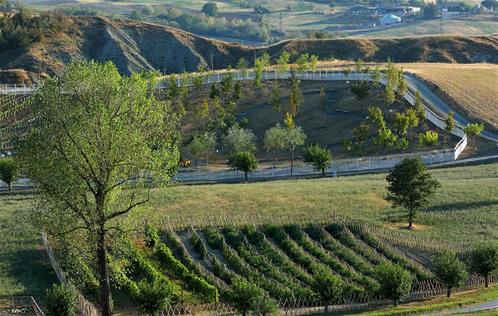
x,y
135,46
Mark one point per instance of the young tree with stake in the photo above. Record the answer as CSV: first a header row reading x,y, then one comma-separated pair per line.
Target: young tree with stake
x,y
410,186
294,137
102,140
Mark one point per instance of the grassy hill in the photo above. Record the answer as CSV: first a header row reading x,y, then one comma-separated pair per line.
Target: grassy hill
x,y
135,46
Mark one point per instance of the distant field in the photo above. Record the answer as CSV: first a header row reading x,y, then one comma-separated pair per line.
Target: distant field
x,y
465,209
474,88
478,25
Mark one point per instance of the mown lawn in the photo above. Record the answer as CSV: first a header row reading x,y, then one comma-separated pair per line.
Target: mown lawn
x,y
464,210
24,266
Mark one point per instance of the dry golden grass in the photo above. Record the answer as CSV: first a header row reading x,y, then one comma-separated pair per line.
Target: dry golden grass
x,y
472,87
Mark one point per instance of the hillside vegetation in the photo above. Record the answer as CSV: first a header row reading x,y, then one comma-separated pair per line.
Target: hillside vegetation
x,y
135,46
471,89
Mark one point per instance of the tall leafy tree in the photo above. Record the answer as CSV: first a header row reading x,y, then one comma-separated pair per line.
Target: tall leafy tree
x,y
360,134
275,140
9,171
319,157
395,282
240,139
361,90
449,270
484,260
410,186
401,123
244,161
303,62
402,85
210,8
419,106
376,77
392,83
283,61
101,141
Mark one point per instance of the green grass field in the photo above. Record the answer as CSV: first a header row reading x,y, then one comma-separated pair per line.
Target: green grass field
x,y
24,266
464,210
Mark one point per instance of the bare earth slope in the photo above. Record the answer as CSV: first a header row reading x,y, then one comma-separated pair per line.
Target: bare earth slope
x,y
135,46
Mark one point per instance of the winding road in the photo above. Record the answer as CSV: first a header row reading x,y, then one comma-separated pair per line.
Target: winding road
x,y
439,105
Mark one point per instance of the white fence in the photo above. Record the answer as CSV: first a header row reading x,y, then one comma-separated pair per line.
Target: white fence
x,y
340,166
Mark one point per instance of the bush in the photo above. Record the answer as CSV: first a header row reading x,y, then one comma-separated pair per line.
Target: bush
x,y
320,157
449,270
151,236
429,138
153,297
395,282
9,170
61,300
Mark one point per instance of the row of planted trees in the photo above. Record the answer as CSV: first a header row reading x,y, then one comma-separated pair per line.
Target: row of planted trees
x,y
240,146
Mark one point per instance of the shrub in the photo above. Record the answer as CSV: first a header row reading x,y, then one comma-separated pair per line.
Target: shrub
x,y
484,260
320,157
9,170
245,296
329,287
395,282
151,236
449,270
153,297
61,300
429,138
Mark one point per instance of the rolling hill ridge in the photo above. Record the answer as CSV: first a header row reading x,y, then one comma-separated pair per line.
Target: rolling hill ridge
x,y
135,46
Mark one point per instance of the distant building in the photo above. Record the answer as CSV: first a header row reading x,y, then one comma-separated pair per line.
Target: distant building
x,y
362,10
389,19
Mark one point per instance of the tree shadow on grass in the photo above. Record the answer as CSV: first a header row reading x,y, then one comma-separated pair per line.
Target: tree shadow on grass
x,y
32,269
460,206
